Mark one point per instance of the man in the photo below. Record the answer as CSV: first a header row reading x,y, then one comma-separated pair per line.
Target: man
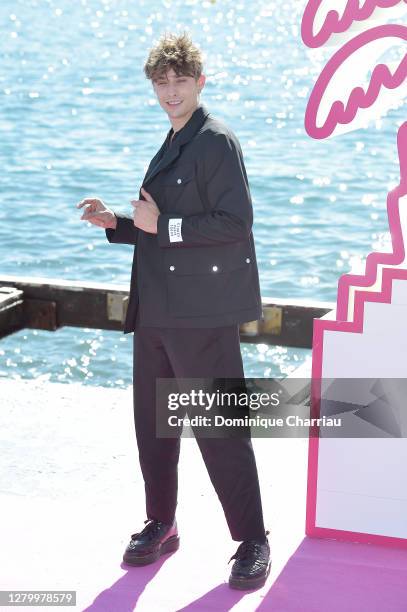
x,y
194,279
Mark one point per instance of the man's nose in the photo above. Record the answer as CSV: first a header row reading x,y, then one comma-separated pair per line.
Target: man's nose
x,y
172,90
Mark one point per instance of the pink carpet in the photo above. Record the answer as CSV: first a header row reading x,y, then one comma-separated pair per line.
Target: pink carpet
x,y
326,575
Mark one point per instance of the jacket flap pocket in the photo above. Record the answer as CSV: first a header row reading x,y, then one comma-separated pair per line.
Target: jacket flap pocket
x,y
179,176
215,266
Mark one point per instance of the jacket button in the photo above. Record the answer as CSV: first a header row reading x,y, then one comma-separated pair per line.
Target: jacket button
x,y
172,268
215,268
247,260
179,181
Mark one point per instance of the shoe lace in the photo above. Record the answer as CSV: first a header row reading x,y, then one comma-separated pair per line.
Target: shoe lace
x,y
151,528
247,549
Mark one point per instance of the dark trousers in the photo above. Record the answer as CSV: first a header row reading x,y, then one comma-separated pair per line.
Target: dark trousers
x,y
230,461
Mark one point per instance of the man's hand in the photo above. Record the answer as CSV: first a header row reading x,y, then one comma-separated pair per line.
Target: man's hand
x,y
98,213
145,213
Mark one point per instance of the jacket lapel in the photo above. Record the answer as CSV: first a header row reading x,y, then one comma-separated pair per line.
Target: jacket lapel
x,y
184,135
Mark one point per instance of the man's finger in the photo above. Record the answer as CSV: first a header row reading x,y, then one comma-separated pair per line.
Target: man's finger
x,y
87,215
147,195
86,201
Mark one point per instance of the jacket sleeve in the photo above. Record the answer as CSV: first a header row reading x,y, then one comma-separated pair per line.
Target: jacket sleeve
x,y
125,233
227,188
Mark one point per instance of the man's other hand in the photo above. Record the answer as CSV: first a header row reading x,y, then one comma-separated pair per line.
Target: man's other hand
x,y
98,213
146,213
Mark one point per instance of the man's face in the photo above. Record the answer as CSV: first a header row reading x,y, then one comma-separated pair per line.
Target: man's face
x,y
181,90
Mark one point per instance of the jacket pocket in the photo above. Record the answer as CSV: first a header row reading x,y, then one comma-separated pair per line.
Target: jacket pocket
x,y
204,284
180,189
179,176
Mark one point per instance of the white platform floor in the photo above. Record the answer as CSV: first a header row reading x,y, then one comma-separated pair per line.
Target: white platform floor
x,y
71,494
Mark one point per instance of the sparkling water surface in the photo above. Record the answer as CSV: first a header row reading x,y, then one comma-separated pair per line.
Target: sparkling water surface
x,y
79,119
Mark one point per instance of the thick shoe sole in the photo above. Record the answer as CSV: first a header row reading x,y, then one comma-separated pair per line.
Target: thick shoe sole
x,y
168,546
245,584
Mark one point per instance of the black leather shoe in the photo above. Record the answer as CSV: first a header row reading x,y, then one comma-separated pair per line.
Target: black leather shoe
x,y
252,565
156,539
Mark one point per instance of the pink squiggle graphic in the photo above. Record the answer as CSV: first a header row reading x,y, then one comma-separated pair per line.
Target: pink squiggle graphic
x,y
334,24
381,76
355,325
373,260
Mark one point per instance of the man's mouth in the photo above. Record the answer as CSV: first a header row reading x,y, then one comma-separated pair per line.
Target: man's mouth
x,y
174,103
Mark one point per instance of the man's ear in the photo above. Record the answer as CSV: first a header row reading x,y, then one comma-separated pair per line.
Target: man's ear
x,y
201,81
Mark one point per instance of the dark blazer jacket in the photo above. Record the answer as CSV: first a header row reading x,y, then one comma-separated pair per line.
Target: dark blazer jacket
x,y
200,269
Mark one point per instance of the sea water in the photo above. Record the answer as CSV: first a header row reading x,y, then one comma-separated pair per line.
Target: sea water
x,y
79,119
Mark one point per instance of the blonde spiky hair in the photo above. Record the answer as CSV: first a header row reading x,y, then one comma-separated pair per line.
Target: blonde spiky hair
x,y
175,51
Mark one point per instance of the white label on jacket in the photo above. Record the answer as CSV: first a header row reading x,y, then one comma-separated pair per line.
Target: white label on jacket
x,y
174,230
